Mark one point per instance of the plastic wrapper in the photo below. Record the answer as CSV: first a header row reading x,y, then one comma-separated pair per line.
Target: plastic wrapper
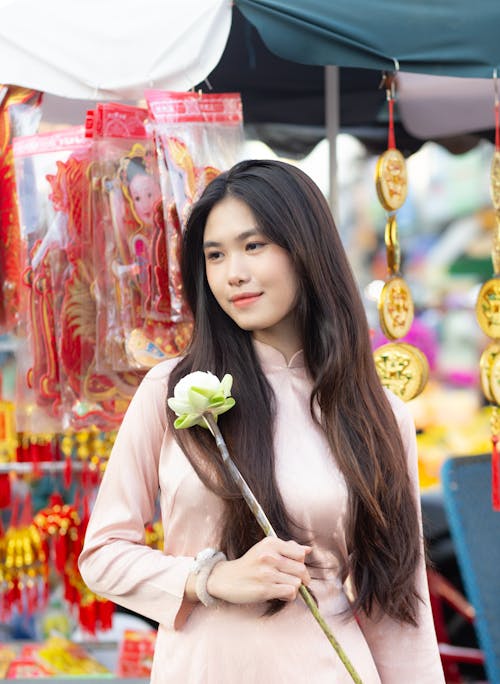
x,y
35,159
58,385
19,115
197,137
134,327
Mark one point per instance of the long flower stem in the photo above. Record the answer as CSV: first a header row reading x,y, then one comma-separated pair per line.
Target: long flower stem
x,y
268,530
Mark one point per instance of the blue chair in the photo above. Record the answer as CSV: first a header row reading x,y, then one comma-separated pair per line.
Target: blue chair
x,y
475,529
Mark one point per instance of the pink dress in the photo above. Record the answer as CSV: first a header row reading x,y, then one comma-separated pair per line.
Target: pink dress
x,y
233,643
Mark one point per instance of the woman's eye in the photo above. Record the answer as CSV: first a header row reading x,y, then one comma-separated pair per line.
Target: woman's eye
x,y
252,246
213,256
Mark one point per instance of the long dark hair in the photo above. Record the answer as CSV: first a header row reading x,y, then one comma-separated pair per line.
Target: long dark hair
x,y
383,534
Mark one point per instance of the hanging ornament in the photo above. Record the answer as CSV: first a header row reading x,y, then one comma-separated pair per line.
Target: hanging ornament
x,y
8,446
58,525
402,368
23,566
488,317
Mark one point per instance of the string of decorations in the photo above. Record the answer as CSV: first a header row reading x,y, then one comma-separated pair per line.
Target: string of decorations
x,y
488,317
402,367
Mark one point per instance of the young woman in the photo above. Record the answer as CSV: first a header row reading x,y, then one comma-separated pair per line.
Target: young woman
x,y
330,455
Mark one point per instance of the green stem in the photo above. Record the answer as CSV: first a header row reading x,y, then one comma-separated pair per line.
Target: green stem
x,y
268,530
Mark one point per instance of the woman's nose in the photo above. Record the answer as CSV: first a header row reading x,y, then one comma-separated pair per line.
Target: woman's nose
x,y
237,271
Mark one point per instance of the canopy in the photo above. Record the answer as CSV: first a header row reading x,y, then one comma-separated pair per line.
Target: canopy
x,y
116,48
284,102
110,49
447,37
94,50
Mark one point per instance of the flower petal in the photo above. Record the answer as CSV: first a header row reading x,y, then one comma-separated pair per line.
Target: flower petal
x,y
225,384
206,392
178,406
197,401
186,421
228,404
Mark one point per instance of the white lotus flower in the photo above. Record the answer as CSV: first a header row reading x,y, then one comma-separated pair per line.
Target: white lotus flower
x,y
198,393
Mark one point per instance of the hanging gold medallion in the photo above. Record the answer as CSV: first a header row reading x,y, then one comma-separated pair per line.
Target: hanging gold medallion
x,y
393,249
485,366
495,180
395,307
402,368
495,380
488,308
391,179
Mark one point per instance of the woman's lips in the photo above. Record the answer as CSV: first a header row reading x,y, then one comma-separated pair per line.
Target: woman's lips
x,y
245,300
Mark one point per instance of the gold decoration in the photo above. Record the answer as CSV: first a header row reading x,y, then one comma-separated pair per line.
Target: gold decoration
x,y
495,380
391,179
495,180
392,245
488,308
402,368
395,308
495,250
485,366
495,422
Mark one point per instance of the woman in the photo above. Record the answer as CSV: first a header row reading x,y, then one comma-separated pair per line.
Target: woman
x,y
330,455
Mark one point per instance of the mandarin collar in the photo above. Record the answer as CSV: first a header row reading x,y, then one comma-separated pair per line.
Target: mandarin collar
x,y
270,357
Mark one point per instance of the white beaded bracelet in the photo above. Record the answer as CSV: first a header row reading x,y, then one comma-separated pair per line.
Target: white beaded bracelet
x,y
205,562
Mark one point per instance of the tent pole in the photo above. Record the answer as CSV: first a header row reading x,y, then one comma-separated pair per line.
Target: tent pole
x,y
332,120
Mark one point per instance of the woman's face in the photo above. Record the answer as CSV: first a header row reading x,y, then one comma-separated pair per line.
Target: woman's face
x,y
145,193
252,278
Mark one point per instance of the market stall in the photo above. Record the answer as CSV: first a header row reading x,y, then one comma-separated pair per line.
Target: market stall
x,y
92,215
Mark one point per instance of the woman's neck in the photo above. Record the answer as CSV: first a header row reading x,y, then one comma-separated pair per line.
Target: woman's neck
x,y
288,347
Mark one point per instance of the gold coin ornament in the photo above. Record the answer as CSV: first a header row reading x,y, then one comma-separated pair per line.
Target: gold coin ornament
x,y
488,308
495,180
402,368
495,380
392,245
391,179
395,307
486,362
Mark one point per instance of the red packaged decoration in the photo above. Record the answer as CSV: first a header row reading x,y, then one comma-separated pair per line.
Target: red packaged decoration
x,y
197,137
134,330
19,115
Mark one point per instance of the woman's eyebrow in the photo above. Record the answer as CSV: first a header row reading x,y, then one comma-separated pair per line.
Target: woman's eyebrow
x,y
242,236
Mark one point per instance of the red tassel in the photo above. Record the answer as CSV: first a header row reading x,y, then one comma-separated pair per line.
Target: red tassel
x,y
105,610
495,475
391,142
5,491
61,552
87,615
68,472
56,499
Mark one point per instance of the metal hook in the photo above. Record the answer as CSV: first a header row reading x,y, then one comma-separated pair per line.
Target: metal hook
x,y
388,81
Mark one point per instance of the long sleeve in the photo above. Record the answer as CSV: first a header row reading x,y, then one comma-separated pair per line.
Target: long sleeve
x,y
404,653
115,563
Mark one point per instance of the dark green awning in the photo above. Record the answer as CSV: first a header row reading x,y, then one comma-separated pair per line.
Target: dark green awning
x,y
447,37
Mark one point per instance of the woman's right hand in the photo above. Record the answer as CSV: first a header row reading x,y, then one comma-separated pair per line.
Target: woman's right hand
x,y
271,569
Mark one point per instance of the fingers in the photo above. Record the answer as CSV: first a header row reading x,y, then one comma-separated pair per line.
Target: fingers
x,y
272,568
284,561
290,549
294,569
